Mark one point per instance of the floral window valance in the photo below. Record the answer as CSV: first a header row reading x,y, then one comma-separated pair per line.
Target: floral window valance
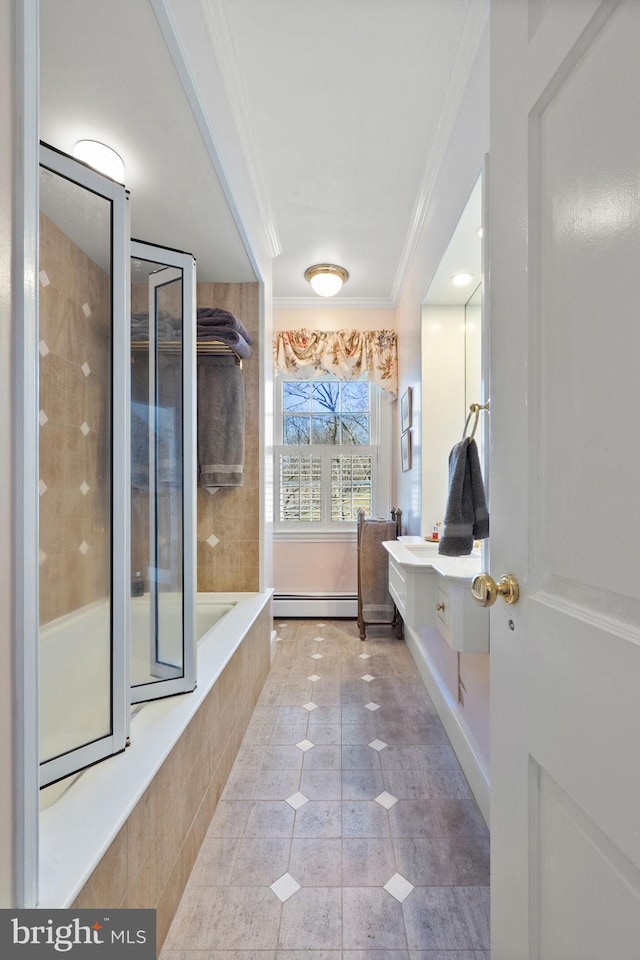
x,y
348,354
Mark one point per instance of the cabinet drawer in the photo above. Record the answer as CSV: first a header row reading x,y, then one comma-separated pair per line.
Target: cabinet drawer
x,y
397,584
443,608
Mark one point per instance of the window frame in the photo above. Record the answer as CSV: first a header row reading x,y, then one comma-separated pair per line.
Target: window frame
x,y
379,449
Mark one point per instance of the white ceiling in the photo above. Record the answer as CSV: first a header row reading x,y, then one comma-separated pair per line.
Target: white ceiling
x,y
341,110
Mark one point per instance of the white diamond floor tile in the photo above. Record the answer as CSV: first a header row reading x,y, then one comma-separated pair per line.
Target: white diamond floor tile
x,y
42,556
317,656
43,348
398,887
86,309
386,800
310,706
84,546
364,656
367,677
314,677
84,488
44,279
372,706
378,745
42,417
319,639
42,487
286,886
297,800
305,745
213,540
85,428
86,369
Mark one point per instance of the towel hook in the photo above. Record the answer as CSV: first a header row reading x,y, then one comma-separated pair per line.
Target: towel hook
x,y
473,408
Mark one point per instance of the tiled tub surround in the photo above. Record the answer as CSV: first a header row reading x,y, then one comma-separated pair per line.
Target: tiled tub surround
x,y
159,834
228,521
346,828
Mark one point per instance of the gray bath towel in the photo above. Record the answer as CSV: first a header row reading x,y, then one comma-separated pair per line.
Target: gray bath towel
x,y
221,319
220,422
377,604
466,516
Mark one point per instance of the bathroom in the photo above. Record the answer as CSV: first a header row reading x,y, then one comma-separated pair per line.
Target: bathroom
x,y
231,549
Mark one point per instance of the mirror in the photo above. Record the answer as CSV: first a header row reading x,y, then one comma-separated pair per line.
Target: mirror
x,y
452,358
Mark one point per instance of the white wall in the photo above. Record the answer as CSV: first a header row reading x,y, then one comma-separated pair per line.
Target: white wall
x,y
443,394
461,165
7,557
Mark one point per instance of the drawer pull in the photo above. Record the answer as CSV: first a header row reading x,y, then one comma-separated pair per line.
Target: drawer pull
x,y
439,606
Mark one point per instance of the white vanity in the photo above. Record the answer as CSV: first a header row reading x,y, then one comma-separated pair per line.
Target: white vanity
x,y
434,591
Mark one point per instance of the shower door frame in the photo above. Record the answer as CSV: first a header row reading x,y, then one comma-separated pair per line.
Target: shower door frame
x,y
185,262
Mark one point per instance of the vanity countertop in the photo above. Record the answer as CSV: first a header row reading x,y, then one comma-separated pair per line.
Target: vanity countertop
x,y
416,553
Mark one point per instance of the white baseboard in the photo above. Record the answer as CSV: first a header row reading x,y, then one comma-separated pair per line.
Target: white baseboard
x,y
449,713
311,608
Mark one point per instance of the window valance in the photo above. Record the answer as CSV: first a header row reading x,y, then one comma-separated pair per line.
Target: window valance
x,y
348,354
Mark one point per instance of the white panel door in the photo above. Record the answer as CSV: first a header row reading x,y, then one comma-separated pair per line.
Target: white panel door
x,y
564,260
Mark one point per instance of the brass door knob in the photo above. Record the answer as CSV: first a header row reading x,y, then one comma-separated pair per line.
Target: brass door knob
x,y
486,591
439,606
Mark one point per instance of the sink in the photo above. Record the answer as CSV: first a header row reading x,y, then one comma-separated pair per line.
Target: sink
x,y
422,549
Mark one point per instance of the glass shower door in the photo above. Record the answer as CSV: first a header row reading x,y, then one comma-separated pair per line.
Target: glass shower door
x,y
163,641
83,465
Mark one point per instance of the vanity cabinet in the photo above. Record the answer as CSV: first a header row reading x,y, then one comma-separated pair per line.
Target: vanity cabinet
x,y
459,619
433,591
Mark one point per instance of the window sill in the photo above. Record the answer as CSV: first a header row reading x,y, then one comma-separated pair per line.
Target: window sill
x,y
311,536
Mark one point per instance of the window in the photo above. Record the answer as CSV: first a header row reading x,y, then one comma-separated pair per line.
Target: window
x,y
329,454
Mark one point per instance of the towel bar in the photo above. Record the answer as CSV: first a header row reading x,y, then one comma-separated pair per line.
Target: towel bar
x,y
474,408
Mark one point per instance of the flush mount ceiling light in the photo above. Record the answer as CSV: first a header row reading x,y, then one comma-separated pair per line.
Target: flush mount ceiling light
x,y
326,278
101,157
461,279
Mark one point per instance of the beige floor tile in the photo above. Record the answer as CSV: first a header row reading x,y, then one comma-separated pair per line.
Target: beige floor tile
x,y
321,784
312,920
319,819
249,919
316,863
372,918
434,918
270,819
367,863
260,862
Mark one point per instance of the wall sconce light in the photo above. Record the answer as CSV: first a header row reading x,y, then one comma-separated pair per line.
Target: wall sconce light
x,y
102,158
326,278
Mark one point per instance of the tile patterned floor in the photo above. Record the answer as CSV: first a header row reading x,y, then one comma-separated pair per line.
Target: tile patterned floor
x,y
347,830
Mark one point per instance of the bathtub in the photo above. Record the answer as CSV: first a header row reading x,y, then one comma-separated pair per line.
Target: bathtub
x,y
82,815
75,689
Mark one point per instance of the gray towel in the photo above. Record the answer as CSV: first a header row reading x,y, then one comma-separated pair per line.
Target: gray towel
x,y
377,603
466,516
220,422
221,319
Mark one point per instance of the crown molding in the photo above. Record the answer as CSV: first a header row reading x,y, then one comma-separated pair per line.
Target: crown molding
x,y
471,35
221,40
333,303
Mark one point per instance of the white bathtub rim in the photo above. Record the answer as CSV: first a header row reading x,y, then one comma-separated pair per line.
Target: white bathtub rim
x,y
78,828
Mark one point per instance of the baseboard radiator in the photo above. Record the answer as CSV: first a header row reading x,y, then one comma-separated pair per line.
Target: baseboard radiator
x,y
312,605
